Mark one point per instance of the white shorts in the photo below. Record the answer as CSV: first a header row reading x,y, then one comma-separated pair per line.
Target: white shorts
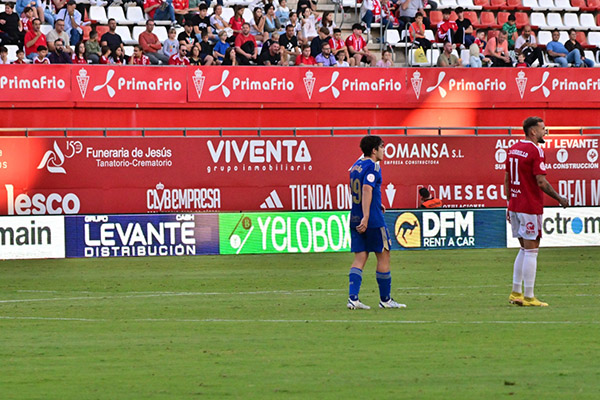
x,y
526,226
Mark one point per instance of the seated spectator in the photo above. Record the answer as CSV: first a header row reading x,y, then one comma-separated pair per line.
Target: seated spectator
x,y
38,8
160,10
194,57
180,58
58,33
245,47
283,13
387,17
328,22
257,24
181,9
297,28
216,20
303,4
72,21
138,57
305,58
526,44
427,200
481,43
221,47
271,21
309,24
201,23
316,43
573,44
193,9
230,57
93,48
559,53
105,55
59,55
475,60
111,38
41,53
151,46
171,44
237,21
497,51
289,45
20,57
78,56
338,46
326,58
447,58
446,29
409,9
27,19
510,27
464,32
341,60
117,57
521,61
4,56
34,39
417,33
11,28
206,50
386,60
357,47
272,56
187,38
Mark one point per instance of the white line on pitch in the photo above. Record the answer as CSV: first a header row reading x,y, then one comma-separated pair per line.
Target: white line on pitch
x,y
302,321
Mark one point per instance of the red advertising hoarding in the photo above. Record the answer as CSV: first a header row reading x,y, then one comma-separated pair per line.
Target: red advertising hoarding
x,y
139,175
299,85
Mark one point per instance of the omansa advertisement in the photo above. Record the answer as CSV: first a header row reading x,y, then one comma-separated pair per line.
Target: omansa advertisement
x,y
190,175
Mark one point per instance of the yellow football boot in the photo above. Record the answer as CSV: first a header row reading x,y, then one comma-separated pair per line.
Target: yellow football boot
x,y
516,298
533,302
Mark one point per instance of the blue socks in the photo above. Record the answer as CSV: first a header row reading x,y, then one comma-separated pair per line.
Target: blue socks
x,y
384,280
355,278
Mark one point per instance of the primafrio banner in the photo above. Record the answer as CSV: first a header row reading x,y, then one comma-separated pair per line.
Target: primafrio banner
x,y
141,235
306,85
32,237
190,175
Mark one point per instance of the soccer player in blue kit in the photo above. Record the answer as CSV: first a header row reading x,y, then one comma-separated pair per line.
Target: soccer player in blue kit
x,y
367,226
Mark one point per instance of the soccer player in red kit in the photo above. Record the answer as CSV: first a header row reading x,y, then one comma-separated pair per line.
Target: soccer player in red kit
x,y
524,182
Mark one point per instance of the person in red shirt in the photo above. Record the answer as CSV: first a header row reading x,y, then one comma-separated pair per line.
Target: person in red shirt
x,y
78,56
338,45
180,58
104,58
20,57
34,39
138,57
305,58
357,47
27,19
151,45
446,28
245,46
40,55
524,182
237,21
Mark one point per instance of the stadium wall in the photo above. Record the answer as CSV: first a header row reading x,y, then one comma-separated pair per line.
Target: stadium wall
x,y
101,96
90,236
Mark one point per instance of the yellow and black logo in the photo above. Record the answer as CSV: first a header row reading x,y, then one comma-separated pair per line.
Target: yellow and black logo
x,y
408,230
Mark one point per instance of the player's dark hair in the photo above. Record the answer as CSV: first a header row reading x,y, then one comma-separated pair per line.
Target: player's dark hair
x,y
368,143
530,123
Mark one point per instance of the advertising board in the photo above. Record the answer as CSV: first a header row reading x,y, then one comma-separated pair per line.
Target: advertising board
x,y
32,237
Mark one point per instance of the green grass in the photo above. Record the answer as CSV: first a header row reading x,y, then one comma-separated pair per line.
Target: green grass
x,y
277,327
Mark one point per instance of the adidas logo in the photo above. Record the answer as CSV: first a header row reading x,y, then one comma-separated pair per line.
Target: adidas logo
x,y
272,201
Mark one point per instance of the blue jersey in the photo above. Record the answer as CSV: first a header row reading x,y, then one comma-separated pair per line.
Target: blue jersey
x,y
366,172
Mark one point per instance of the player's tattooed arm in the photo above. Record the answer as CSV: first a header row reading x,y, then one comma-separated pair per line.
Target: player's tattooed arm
x,y
549,190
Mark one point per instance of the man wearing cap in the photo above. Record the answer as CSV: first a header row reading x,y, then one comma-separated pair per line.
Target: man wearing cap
x,y
72,19
357,46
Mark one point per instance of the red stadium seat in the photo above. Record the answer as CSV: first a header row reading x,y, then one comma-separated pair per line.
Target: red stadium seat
x,y
582,5
101,29
595,4
582,39
472,16
489,19
492,33
453,16
502,17
522,19
435,17
517,5
497,5
482,3
86,31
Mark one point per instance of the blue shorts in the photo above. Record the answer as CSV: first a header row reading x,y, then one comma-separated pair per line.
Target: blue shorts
x,y
374,240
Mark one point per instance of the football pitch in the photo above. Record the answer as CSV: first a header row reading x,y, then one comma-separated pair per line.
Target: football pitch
x,y
277,326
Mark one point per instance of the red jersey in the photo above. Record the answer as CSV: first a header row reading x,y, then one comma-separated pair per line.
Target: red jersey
x,y
176,60
358,43
525,160
143,60
41,41
27,24
444,26
78,60
45,60
19,61
241,39
181,4
310,60
150,3
236,24
336,44
104,60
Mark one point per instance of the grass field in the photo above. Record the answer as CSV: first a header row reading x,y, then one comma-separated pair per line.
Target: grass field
x,y
277,327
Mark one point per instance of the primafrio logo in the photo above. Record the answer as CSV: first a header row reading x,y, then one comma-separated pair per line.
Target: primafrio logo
x,y
53,160
124,84
239,84
437,86
335,91
542,86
